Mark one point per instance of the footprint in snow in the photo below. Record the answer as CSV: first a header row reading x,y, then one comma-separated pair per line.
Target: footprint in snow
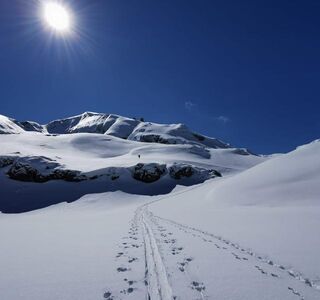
x,y
130,282
199,286
236,256
119,254
184,264
261,270
294,291
122,269
176,250
132,259
128,290
108,296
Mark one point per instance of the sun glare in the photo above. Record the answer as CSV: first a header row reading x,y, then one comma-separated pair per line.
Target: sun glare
x,y
57,17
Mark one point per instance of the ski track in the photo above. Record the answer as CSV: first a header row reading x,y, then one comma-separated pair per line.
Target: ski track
x,y
243,254
158,285
181,260
147,233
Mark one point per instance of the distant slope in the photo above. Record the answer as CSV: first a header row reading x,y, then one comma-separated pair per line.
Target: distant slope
x,y
131,129
118,126
8,126
289,179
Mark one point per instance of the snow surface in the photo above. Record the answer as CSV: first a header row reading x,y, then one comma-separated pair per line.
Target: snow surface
x,y
251,234
8,126
106,156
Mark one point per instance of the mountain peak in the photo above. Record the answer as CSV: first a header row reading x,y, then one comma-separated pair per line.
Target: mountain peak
x,y
115,125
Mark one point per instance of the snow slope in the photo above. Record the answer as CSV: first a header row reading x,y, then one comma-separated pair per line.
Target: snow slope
x,y
295,176
272,211
230,238
106,158
8,126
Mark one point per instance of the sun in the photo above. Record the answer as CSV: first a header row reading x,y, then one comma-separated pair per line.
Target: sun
x,y
57,16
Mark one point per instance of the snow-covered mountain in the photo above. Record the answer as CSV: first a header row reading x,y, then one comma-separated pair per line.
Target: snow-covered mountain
x,y
106,153
157,212
9,126
114,125
103,152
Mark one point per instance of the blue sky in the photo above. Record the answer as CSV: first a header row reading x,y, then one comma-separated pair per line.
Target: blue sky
x,y
247,72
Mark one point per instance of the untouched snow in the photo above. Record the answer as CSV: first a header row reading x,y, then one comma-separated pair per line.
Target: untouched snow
x,y
294,176
8,126
88,152
252,235
106,156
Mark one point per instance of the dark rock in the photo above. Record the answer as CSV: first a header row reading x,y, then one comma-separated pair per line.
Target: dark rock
x,y
114,177
177,171
199,137
242,151
215,173
31,126
6,161
154,138
148,172
41,169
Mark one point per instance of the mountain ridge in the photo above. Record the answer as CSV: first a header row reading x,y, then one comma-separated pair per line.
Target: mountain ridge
x,y
117,126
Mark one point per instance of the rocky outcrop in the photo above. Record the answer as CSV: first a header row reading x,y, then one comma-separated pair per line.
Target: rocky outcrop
x,y
148,172
31,126
6,160
242,151
41,169
154,138
152,172
179,171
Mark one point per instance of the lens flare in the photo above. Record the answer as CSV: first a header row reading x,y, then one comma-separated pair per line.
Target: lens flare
x,y
57,17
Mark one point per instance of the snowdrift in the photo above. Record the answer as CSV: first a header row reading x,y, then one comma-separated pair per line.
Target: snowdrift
x,y
291,179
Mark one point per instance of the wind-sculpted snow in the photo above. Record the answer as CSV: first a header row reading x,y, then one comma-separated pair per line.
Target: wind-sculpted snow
x,y
122,127
295,175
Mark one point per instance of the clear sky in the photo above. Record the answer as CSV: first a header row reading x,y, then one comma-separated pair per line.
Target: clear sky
x,y
247,72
